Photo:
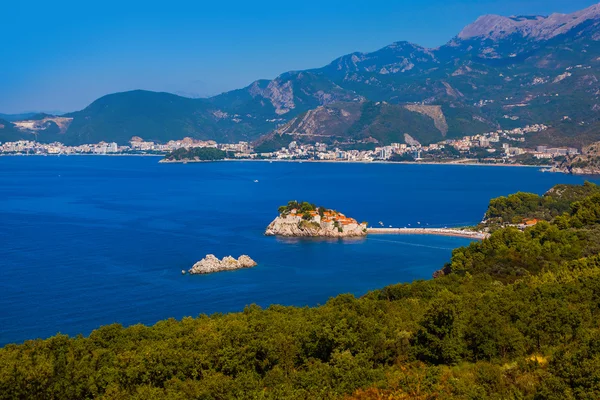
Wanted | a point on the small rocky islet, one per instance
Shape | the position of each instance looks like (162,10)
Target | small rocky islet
(307,220)
(211,263)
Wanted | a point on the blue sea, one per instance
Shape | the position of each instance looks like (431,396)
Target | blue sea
(87,241)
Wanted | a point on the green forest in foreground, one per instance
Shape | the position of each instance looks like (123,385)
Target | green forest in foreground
(515,316)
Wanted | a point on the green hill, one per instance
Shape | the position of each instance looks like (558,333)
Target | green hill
(8,132)
(153,116)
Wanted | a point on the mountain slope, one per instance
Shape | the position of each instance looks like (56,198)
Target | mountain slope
(366,122)
(154,116)
(499,72)
(289,94)
(8,132)
(544,70)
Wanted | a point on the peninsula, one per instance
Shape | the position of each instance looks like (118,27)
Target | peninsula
(307,220)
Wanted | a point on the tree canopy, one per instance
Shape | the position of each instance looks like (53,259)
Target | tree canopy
(196,154)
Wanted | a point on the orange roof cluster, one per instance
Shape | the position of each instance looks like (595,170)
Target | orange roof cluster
(531,222)
(330,216)
(346,221)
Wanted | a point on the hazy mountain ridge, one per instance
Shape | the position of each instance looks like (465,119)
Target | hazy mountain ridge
(16,117)
(498,72)
(535,27)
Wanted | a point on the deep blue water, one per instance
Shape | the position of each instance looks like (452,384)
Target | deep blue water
(88,241)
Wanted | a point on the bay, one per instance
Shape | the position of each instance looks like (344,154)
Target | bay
(89,241)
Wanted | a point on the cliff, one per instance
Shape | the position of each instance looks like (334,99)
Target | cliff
(305,220)
(210,264)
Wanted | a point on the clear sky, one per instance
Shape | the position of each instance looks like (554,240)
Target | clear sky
(61,55)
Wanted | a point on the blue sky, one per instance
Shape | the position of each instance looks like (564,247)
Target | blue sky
(62,55)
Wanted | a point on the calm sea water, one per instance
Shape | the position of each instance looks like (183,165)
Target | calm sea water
(88,241)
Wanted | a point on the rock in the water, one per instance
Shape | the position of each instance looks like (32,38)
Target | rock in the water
(246,262)
(210,264)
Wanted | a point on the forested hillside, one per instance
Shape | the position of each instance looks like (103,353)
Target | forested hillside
(515,316)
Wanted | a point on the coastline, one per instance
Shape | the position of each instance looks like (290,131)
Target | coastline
(165,161)
(82,155)
(469,164)
(543,168)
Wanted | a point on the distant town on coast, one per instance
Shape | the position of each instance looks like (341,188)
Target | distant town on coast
(501,146)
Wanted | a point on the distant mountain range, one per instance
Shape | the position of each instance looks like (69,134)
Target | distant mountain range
(499,72)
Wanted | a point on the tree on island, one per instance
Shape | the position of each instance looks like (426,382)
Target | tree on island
(301,208)
(196,153)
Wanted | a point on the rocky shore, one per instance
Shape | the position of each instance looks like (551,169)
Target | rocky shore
(586,163)
(305,220)
(210,264)
(566,168)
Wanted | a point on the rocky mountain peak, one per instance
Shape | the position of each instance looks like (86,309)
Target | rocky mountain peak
(537,27)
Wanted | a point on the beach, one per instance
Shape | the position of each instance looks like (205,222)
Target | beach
(429,231)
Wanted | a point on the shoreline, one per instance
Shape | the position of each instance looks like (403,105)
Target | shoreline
(470,164)
(81,154)
(467,164)
(429,231)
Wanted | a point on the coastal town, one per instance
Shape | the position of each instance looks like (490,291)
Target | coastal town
(501,146)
